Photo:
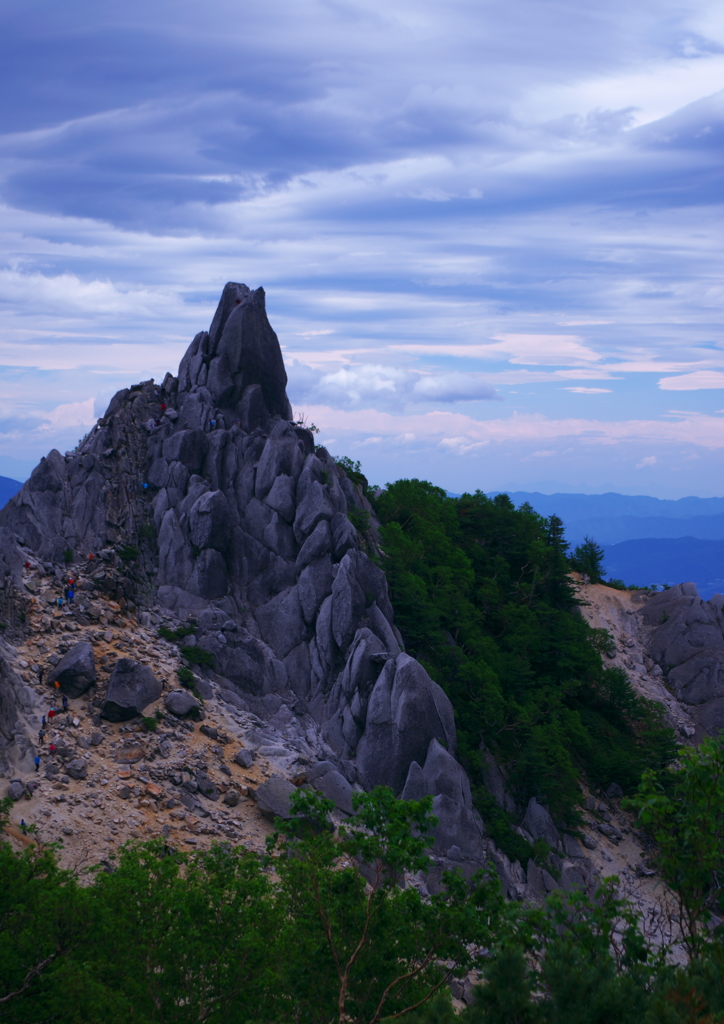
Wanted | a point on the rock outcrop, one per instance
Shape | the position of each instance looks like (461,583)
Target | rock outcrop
(686,641)
(203,499)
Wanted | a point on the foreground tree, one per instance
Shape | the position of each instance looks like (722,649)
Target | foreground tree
(362,947)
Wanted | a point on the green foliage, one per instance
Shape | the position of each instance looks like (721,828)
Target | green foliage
(319,932)
(587,559)
(198,656)
(68,556)
(147,531)
(302,421)
(129,553)
(150,724)
(364,952)
(683,809)
(186,677)
(483,598)
(359,518)
(175,634)
(353,470)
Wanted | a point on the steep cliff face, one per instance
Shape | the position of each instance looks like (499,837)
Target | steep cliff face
(227,513)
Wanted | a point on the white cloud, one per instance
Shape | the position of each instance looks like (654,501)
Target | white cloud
(648,460)
(589,391)
(697,381)
(74,414)
(383,386)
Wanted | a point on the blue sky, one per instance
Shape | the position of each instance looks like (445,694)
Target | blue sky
(490,233)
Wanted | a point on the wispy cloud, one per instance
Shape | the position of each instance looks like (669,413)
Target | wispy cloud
(443,202)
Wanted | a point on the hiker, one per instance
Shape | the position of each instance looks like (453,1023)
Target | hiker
(37,762)
(51,714)
(43,723)
(71,595)
(51,749)
(60,602)
(23,826)
(41,673)
(65,703)
(41,737)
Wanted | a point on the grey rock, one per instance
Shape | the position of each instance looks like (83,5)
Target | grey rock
(571,847)
(614,791)
(16,790)
(406,711)
(131,688)
(231,798)
(332,784)
(77,768)
(180,703)
(538,822)
(273,798)
(245,758)
(281,498)
(96,739)
(318,543)
(209,521)
(76,671)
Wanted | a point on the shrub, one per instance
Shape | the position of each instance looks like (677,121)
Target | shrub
(186,677)
(150,724)
(198,656)
(129,552)
(359,518)
(68,556)
(175,634)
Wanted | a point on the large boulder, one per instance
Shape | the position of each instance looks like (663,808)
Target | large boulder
(180,703)
(76,670)
(273,798)
(331,783)
(131,688)
(538,822)
(406,711)
(77,768)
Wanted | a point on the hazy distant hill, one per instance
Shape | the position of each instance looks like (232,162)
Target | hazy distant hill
(647,540)
(8,488)
(669,561)
(574,507)
(614,529)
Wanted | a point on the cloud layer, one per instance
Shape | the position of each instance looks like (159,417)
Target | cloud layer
(507,215)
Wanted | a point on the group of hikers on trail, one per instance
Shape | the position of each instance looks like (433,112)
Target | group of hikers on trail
(47,722)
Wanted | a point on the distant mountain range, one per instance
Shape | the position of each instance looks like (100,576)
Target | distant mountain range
(647,540)
(8,488)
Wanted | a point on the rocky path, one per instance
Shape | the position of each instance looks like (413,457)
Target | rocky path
(180,781)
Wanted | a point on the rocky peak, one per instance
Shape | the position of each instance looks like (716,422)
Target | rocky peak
(201,500)
(239,361)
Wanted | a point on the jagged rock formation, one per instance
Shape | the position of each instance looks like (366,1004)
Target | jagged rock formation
(671,645)
(686,642)
(224,510)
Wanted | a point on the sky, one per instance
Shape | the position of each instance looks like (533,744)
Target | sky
(489,231)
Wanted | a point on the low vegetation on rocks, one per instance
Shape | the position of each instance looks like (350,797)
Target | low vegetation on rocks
(484,599)
(330,926)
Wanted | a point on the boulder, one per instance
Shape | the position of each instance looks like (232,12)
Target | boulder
(77,768)
(538,822)
(16,789)
(406,711)
(231,798)
(244,758)
(131,688)
(273,798)
(331,783)
(76,670)
(180,703)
